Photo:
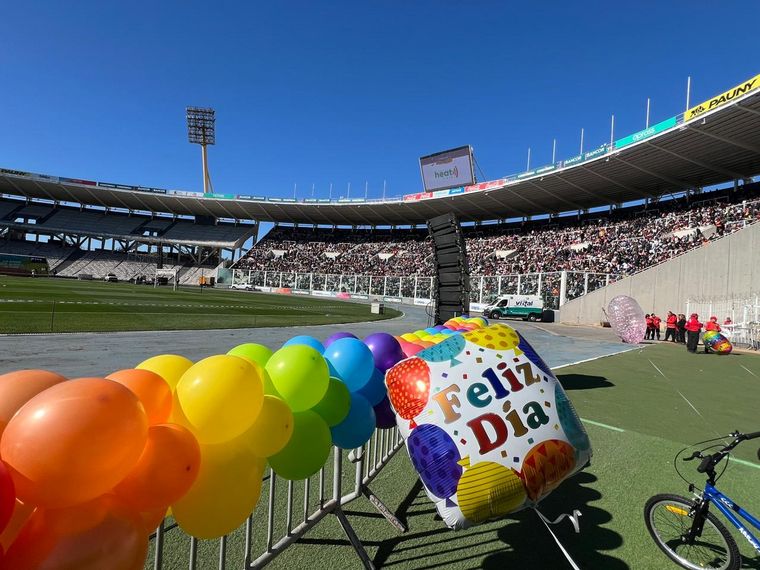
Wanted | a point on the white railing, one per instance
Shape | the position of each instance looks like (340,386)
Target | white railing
(555,287)
(283,518)
(744,313)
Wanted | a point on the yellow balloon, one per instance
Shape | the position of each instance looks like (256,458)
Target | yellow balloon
(224,494)
(272,429)
(219,398)
(170,367)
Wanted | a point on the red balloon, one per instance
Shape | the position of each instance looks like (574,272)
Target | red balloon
(95,535)
(409,387)
(21,514)
(7,496)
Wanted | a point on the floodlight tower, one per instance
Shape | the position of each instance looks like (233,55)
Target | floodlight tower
(200,130)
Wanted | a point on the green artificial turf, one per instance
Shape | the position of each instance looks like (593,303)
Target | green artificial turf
(637,420)
(63,305)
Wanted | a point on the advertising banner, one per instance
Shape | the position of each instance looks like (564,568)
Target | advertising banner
(14,172)
(602,150)
(722,99)
(447,169)
(646,133)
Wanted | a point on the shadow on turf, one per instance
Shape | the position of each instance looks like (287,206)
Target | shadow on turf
(520,543)
(583,382)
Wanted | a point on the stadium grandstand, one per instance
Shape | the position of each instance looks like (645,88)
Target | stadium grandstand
(559,231)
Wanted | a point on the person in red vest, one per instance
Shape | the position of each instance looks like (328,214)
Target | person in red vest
(712,325)
(693,326)
(728,321)
(656,326)
(670,323)
(650,333)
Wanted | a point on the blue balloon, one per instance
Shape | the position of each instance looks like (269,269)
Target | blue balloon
(308,341)
(357,428)
(375,390)
(352,362)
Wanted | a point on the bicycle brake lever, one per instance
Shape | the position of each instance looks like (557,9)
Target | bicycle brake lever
(698,455)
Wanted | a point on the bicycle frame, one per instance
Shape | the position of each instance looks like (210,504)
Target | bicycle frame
(728,508)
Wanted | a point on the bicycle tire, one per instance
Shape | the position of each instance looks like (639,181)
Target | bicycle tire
(733,559)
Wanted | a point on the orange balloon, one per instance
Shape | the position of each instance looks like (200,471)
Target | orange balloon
(16,388)
(151,519)
(21,514)
(166,470)
(74,442)
(98,534)
(151,389)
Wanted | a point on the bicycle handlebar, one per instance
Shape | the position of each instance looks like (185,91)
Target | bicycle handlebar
(710,461)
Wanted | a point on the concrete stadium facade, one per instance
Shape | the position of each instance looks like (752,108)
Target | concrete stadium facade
(722,269)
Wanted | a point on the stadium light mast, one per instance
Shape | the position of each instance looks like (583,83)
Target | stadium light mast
(201,130)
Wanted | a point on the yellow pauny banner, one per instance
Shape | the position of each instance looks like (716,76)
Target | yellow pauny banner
(722,99)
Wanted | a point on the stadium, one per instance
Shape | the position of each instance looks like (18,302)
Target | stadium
(99,276)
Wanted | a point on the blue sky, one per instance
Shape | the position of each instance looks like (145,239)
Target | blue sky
(319,92)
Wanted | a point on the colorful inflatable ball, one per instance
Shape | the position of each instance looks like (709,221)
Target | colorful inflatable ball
(306,341)
(386,350)
(337,336)
(627,319)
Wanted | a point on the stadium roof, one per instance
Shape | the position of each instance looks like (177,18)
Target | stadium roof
(713,142)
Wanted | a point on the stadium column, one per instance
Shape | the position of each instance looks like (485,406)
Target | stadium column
(563,289)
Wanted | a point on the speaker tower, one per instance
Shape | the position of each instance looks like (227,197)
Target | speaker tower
(452,288)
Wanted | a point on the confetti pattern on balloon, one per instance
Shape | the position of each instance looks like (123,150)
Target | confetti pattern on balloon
(545,466)
(435,457)
(627,319)
(569,420)
(488,490)
(496,337)
(717,342)
(409,387)
(533,356)
(445,351)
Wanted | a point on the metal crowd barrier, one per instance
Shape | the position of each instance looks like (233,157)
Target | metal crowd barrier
(287,520)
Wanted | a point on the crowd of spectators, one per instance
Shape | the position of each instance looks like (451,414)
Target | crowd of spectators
(620,242)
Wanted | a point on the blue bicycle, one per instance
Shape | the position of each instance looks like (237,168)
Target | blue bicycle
(685,529)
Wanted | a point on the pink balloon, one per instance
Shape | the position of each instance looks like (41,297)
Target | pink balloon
(627,319)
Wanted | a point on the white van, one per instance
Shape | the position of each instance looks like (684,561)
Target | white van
(528,307)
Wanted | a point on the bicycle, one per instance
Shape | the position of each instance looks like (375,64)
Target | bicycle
(685,529)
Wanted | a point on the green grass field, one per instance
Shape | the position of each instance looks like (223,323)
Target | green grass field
(635,408)
(63,305)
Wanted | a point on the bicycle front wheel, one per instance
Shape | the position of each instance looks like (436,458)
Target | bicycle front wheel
(669,518)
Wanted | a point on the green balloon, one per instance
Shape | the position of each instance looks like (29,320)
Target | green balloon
(258,353)
(300,375)
(335,405)
(307,450)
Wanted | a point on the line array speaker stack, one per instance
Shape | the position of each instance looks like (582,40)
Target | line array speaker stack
(452,288)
